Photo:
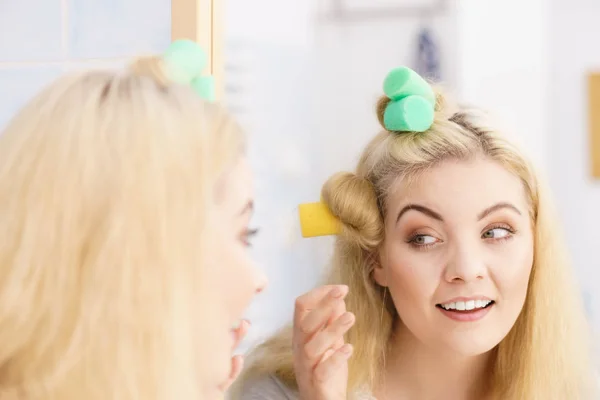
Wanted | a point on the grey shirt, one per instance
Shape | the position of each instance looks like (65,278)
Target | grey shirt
(267,388)
(271,388)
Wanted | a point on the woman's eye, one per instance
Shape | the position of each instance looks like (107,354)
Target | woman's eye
(423,240)
(496,233)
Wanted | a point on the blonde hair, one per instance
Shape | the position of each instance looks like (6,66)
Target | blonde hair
(107,180)
(545,355)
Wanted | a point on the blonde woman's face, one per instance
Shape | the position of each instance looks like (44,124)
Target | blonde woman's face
(235,279)
(458,254)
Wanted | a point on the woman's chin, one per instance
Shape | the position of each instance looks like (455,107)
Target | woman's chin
(472,348)
(213,394)
(215,381)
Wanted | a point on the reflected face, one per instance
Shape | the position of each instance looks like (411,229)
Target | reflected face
(235,279)
(458,255)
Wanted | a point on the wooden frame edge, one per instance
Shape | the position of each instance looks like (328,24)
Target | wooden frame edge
(202,22)
(593,97)
(218,46)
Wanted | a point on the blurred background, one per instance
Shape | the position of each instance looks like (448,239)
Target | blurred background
(303,78)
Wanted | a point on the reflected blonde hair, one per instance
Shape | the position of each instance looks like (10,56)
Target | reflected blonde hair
(106,186)
(545,355)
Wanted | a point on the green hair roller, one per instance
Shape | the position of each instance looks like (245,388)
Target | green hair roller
(185,60)
(412,105)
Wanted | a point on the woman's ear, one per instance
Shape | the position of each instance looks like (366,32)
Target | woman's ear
(379,272)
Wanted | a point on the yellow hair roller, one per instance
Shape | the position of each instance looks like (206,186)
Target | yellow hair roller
(317,220)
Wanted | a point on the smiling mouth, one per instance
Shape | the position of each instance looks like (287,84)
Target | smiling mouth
(466,307)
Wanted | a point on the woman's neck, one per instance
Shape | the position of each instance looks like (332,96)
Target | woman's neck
(415,371)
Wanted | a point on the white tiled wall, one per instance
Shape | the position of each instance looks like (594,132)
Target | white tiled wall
(40,39)
(268,89)
(18,84)
(305,87)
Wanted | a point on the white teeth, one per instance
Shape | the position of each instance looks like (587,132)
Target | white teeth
(466,305)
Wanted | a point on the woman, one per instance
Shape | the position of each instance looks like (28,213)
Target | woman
(125,202)
(449,277)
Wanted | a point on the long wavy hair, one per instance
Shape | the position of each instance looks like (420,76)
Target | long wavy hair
(545,355)
(106,184)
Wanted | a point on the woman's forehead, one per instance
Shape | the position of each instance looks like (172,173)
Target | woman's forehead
(455,185)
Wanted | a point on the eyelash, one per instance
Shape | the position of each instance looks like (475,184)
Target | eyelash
(247,235)
(507,228)
(412,242)
(510,235)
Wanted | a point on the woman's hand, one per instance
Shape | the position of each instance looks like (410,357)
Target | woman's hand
(237,362)
(320,352)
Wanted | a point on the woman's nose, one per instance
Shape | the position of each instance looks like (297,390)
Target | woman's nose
(466,264)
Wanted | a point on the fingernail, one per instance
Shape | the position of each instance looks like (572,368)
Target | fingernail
(328,354)
(347,349)
(346,318)
(338,291)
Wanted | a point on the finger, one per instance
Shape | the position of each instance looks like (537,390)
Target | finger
(325,369)
(339,310)
(325,313)
(327,338)
(310,300)
(240,332)
(327,354)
